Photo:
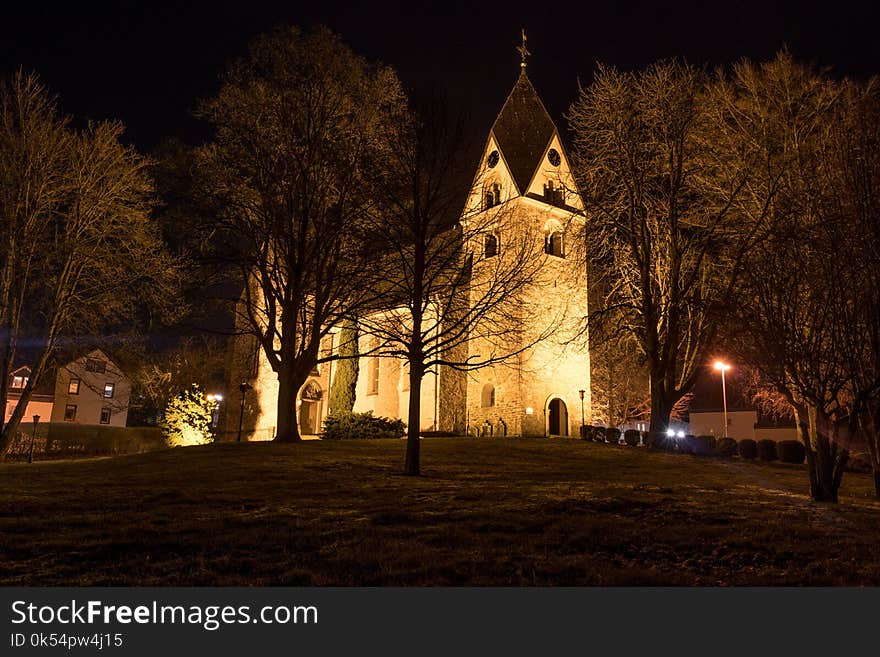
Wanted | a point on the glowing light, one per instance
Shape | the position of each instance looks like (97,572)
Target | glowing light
(670,433)
(721,366)
(215,397)
(680,434)
(530,410)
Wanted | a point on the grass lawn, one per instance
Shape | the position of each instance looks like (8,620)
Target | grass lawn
(499,512)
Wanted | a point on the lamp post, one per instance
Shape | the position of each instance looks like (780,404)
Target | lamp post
(33,439)
(243,387)
(583,423)
(723,367)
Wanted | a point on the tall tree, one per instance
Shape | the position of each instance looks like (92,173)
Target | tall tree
(342,394)
(445,287)
(800,283)
(80,246)
(298,122)
(661,230)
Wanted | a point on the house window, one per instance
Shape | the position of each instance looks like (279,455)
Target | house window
(487,399)
(73,387)
(19,381)
(105,415)
(490,246)
(108,390)
(70,413)
(95,365)
(553,244)
(373,371)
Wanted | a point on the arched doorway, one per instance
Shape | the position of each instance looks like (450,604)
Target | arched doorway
(310,409)
(557,417)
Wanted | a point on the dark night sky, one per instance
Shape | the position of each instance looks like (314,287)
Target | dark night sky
(146,63)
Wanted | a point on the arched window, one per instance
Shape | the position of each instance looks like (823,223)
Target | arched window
(490,246)
(491,195)
(487,399)
(553,244)
(312,392)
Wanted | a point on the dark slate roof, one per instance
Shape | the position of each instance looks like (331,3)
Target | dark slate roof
(523,129)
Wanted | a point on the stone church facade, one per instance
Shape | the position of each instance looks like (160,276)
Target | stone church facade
(542,390)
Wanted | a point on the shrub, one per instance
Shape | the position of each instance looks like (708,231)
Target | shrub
(631,437)
(688,445)
(748,448)
(708,442)
(791,451)
(586,431)
(598,434)
(355,426)
(726,447)
(612,435)
(187,419)
(767,450)
(656,439)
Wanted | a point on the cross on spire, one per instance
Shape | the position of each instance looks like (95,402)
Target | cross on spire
(522,50)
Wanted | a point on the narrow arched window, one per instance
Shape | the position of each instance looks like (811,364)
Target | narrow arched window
(492,195)
(490,246)
(487,399)
(553,244)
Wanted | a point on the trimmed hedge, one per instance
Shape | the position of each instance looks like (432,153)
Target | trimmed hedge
(748,448)
(597,434)
(356,426)
(708,442)
(726,447)
(585,431)
(656,440)
(612,435)
(767,450)
(791,451)
(631,437)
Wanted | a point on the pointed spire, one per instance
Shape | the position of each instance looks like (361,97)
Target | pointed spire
(522,50)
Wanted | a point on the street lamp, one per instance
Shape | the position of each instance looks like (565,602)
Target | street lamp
(581,393)
(723,367)
(33,438)
(243,387)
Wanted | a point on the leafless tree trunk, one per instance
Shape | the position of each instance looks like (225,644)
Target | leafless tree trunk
(77,230)
(663,236)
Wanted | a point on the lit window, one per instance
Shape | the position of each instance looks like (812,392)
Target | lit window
(490,246)
(105,415)
(19,381)
(70,413)
(108,390)
(73,387)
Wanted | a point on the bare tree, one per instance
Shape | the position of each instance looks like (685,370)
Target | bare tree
(80,245)
(662,235)
(299,121)
(799,293)
(452,280)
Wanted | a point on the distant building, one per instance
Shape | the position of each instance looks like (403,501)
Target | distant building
(706,412)
(40,402)
(91,389)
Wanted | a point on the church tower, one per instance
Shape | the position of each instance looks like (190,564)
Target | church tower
(544,389)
